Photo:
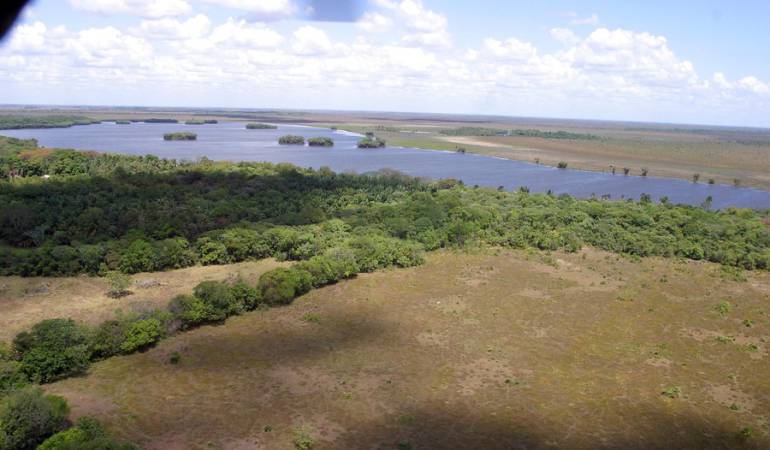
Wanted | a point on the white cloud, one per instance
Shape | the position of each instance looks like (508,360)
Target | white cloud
(194,27)
(424,26)
(153,9)
(616,70)
(510,49)
(243,34)
(593,19)
(374,22)
(311,41)
(755,85)
(565,36)
(259,9)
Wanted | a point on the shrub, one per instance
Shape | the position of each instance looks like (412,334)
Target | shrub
(11,377)
(27,417)
(141,334)
(371,142)
(246,295)
(260,126)
(87,434)
(562,165)
(320,142)
(108,338)
(118,284)
(191,311)
(281,286)
(180,136)
(138,257)
(218,298)
(291,139)
(53,349)
(212,252)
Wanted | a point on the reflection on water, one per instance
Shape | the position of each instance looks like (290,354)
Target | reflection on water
(232,141)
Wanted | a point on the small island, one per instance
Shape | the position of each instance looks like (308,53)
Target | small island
(371,142)
(194,122)
(210,121)
(320,142)
(180,136)
(122,122)
(260,126)
(291,139)
(160,121)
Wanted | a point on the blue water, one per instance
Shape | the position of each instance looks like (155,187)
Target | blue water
(232,141)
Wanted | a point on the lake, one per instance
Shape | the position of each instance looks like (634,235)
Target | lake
(232,141)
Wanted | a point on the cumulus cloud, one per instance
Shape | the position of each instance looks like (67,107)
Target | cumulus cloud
(424,27)
(565,36)
(374,22)
(576,19)
(259,9)
(311,41)
(619,67)
(194,27)
(145,8)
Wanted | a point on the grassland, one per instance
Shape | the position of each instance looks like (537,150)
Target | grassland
(482,350)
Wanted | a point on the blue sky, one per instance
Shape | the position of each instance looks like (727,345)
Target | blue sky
(675,61)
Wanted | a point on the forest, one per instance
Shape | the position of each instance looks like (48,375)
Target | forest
(17,121)
(101,213)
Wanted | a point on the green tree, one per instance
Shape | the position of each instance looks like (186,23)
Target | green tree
(27,417)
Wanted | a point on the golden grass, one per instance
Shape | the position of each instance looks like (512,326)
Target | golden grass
(24,301)
(507,350)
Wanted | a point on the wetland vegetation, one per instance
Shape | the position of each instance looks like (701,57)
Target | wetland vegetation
(180,136)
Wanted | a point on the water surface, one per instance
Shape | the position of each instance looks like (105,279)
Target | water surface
(232,141)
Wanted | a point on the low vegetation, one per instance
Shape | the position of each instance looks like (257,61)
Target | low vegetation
(291,139)
(17,121)
(160,120)
(122,122)
(371,142)
(180,136)
(480,131)
(260,126)
(320,142)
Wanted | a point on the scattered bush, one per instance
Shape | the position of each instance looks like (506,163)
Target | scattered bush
(320,142)
(218,299)
(53,349)
(291,139)
(141,334)
(118,284)
(87,434)
(281,286)
(562,165)
(180,136)
(27,417)
(371,142)
(260,126)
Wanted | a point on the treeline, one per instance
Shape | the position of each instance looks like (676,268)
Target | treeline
(19,121)
(26,161)
(210,213)
(11,146)
(480,131)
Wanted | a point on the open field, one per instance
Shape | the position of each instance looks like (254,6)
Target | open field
(24,301)
(677,151)
(510,350)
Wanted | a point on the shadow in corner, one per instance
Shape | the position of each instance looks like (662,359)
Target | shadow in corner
(440,427)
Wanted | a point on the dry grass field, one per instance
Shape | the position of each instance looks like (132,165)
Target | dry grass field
(24,301)
(473,350)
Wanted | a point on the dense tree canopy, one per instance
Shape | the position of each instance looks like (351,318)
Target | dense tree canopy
(163,215)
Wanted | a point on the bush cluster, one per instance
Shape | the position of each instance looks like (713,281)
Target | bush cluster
(291,139)
(320,142)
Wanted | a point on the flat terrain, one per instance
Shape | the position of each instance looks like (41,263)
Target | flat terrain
(724,154)
(508,350)
(24,301)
